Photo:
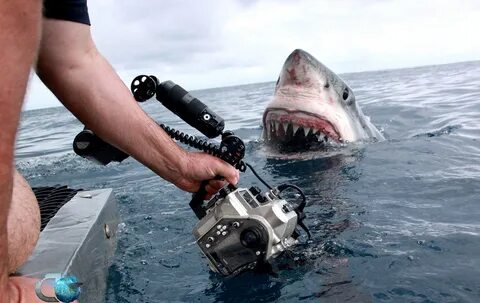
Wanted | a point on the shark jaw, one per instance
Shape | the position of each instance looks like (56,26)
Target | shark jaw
(298,130)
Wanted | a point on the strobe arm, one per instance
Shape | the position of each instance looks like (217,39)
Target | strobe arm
(180,102)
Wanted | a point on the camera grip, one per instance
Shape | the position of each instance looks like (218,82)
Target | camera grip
(196,204)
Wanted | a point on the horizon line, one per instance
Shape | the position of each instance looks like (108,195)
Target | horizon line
(344,73)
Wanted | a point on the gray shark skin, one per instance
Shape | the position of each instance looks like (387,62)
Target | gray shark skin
(313,107)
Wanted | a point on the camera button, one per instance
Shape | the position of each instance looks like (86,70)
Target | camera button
(286,208)
(211,239)
(255,190)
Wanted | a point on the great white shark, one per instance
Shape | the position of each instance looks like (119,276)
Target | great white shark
(313,107)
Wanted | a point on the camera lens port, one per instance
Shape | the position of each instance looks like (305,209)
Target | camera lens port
(251,238)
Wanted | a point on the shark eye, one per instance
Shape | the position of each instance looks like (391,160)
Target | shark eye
(327,85)
(345,94)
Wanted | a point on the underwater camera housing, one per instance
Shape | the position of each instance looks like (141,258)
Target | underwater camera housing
(239,229)
(243,228)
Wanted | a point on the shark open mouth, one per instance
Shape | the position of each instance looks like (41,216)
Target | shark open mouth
(298,128)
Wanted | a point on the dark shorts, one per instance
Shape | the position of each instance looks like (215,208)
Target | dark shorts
(69,10)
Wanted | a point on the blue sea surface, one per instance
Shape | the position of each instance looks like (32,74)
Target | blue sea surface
(391,221)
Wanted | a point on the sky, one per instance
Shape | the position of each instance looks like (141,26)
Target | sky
(214,43)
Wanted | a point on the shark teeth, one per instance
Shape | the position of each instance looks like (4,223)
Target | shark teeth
(289,130)
(306,130)
(277,126)
(295,128)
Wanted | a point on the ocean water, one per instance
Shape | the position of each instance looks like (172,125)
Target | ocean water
(391,221)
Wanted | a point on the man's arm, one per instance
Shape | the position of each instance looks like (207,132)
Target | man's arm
(71,66)
(19,33)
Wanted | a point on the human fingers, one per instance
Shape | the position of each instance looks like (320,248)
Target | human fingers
(228,172)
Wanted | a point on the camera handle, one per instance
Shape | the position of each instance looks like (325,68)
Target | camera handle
(198,198)
(196,204)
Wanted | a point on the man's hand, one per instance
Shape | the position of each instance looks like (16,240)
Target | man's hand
(200,167)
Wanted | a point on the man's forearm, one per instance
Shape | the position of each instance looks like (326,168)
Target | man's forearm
(99,98)
(19,32)
(89,87)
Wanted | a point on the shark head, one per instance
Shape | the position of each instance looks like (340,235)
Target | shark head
(312,106)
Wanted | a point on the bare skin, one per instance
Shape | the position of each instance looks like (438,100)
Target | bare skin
(23,223)
(19,36)
(71,66)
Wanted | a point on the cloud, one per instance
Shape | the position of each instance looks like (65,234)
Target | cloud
(148,33)
(209,43)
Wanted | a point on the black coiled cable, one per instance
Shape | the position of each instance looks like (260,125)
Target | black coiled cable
(192,141)
(200,144)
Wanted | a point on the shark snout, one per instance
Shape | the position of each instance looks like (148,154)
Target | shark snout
(298,70)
